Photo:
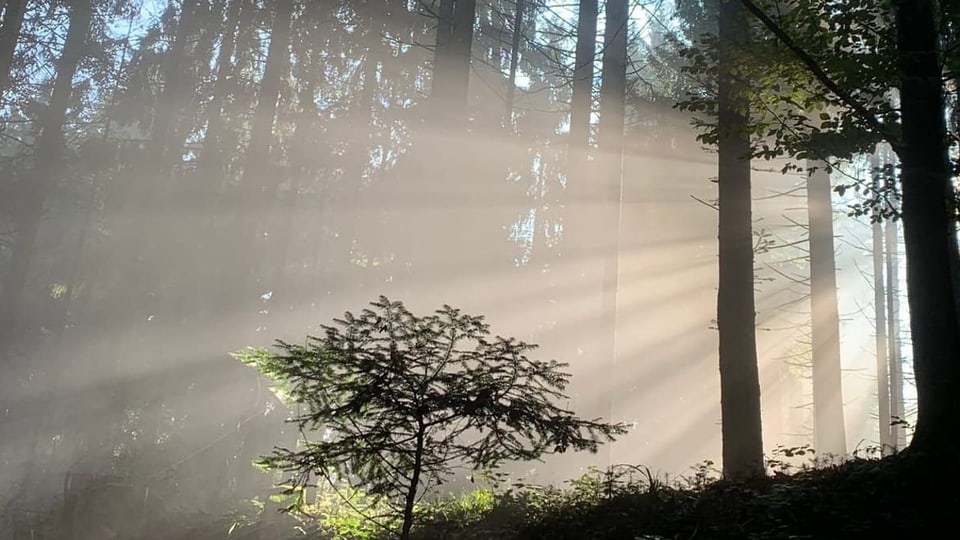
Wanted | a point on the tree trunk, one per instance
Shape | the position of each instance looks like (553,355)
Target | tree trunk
(829,429)
(580,198)
(36,185)
(451,72)
(210,159)
(880,316)
(441,51)
(277,66)
(578,190)
(897,435)
(411,497)
(514,61)
(461,48)
(742,436)
(613,87)
(582,100)
(162,136)
(9,36)
(929,232)
(257,184)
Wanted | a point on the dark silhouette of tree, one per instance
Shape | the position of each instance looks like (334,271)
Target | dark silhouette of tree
(736,316)
(582,101)
(927,192)
(929,231)
(515,42)
(401,401)
(211,152)
(35,186)
(452,53)
(10,26)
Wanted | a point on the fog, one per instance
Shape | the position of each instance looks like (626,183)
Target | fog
(153,263)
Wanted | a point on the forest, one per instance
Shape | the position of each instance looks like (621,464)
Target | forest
(371,269)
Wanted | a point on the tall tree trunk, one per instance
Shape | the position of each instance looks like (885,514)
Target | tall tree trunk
(514,62)
(578,191)
(32,191)
(580,198)
(10,28)
(742,435)
(880,316)
(829,428)
(163,132)
(613,86)
(256,183)
(451,72)
(202,189)
(897,435)
(146,242)
(445,137)
(929,232)
(441,50)
(210,159)
(581,103)
(261,137)
(36,185)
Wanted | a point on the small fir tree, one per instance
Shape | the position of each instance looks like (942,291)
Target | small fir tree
(399,402)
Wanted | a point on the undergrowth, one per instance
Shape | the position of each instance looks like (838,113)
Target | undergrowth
(803,497)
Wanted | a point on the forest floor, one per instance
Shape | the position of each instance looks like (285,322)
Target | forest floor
(904,496)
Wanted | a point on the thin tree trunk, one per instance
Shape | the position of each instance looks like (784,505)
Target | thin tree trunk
(411,497)
(582,101)
(742,436)
(829,427)
(461,48)
(929,232)
(580,197)
(514,61)
(9,36)
(257,183)
(210,159)
(162,137)
(612,110)
(880,315)
(35,187)
(441,52)
(578,192)
(278,60)
(897,435)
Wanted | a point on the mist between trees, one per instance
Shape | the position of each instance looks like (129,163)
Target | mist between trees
(734,222)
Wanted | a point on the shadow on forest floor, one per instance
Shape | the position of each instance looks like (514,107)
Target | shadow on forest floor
(901,496)
(904,496)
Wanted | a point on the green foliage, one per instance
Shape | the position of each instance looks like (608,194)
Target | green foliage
(859,498)
(792,113)
(396,403)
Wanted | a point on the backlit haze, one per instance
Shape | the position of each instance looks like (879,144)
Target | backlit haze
(145,278)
